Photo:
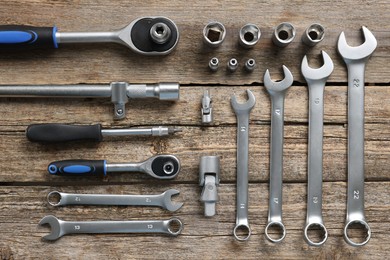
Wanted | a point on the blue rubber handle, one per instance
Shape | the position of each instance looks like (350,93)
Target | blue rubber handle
(77,167)
(19,37)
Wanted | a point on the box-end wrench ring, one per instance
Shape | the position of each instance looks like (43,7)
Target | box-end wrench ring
(277,91)
(242,230)
(60,228)
(163,200)
(316,80)
(356,58)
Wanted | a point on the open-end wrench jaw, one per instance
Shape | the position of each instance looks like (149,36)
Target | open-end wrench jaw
(280,86)
(54,223)
(361,52)
(243,107)
(169,205)
(321,73)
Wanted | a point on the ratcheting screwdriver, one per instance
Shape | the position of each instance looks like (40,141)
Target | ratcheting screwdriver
(52,133)
(146,35)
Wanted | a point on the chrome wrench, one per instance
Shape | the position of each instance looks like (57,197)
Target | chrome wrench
(162,200)
(242,230)
(277,91)
(145,35)
(316,80)
(356,58)
(60,228)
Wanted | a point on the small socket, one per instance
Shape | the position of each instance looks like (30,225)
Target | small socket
(232,65)
(284,34)
(250,65)
(313,34)
(214,64)
(160,33)
(214,34)
(249,35)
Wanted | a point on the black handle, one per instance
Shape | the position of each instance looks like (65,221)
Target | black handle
(21,37)
(52,133)
(77,167)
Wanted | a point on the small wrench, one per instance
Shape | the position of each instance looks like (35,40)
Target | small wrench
(356,58)
(60,228)
(316,80)
(277,91)
(162,200)
(163,166)
(242,112)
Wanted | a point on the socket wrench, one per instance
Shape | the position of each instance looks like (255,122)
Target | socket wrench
(59,228)
(163,166)
(119,92)
(145,35)
(277,91)
(242,230)
(356,58)
(163,200)
(316,80)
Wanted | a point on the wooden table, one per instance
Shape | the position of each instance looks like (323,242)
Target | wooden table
(24,182)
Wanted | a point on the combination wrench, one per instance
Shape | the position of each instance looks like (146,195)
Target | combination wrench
(163,166)
(163,200)
(242,230)
(145,35)
(356,58)
(316,80)
(60,228)
(277,91)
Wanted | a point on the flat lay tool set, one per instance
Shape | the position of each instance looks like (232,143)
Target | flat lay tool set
(160,36)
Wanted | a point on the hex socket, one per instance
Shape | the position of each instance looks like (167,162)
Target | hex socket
(214,34)
(249,35)
(313,34)
(214,64)
(283,34)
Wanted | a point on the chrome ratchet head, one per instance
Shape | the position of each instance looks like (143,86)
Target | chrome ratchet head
(243,107)
(162,166)
(361,52)
(168,204)
(321,73)
(55,227)
(280,86)
(150,35)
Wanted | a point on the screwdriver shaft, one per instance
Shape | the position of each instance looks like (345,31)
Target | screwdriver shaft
(153,131)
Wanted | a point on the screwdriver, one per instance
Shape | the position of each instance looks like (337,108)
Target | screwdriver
(53,133)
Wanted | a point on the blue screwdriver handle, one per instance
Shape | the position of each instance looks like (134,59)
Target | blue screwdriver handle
(77,167)
(22,37)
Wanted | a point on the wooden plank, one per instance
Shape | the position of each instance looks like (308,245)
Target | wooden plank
(211,238)
(27,162)
(188,64)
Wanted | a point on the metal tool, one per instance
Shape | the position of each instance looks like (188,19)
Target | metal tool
(145,35)
(206,110)
(209,179)
(316,80)
(214,34)
(119,92)
(356,58)
(277,91)
(163,200)
(52,133)
(214,64)
(283,34)
(59,228)
(162,166)
(242,230)
(232,65)
(249,35)
(313,34)
(250,65)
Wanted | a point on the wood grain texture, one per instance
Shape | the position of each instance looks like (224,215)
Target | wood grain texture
(24,182)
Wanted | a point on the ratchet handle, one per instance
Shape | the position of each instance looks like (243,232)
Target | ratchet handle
(22,37)
(52,133)
(77,167)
